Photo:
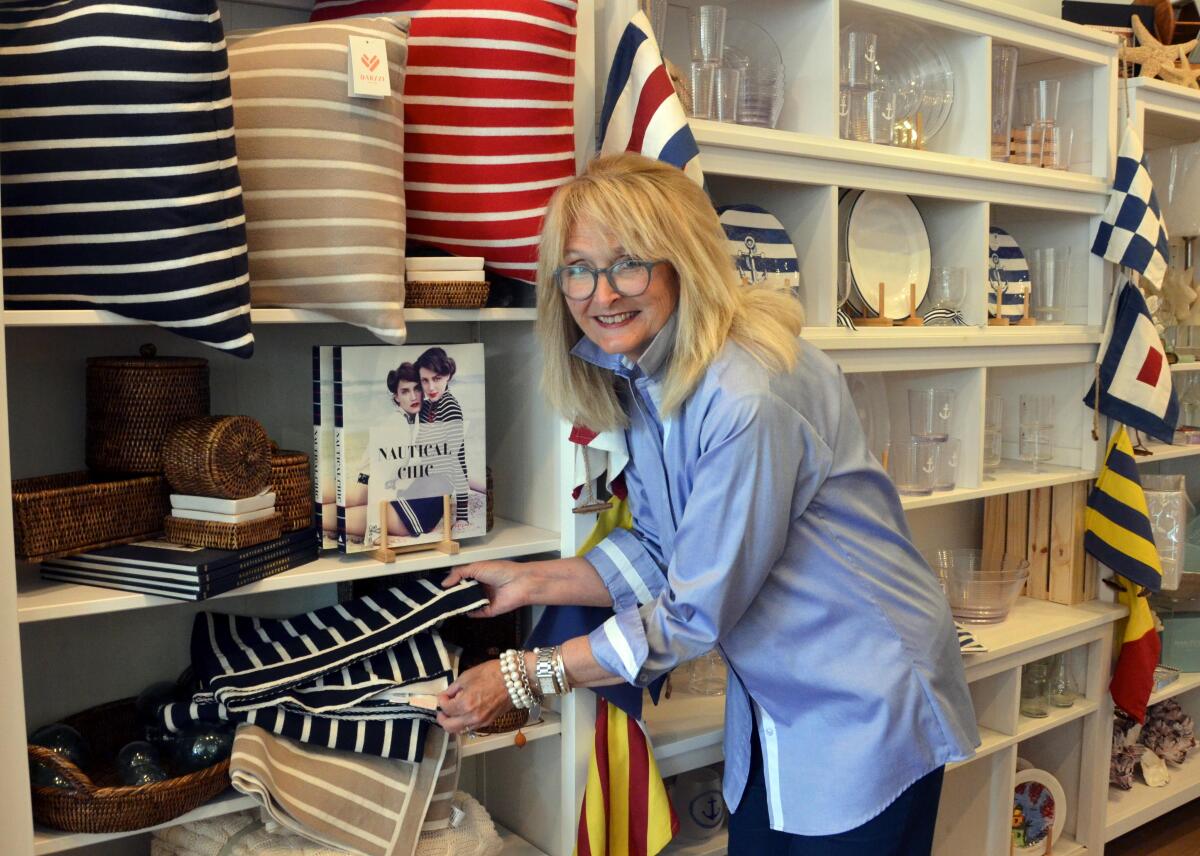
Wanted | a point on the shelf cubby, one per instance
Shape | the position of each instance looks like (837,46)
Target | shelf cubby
(1073,446)
(968,819)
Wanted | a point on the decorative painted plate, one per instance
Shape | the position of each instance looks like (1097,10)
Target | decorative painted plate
(886,242)
(1043,805)
(1007,262)
(760,246)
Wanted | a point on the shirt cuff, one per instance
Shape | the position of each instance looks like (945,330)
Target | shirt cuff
(627,569)
(619,645)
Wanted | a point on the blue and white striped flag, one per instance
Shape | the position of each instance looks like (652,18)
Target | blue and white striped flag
(641,111)
(1132,233)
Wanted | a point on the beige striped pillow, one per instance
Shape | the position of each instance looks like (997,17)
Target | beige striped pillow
(322,172)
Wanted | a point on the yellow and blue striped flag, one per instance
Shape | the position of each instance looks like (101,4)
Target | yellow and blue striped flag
(1117,522)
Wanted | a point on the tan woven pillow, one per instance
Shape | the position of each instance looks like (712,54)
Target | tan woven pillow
(322,173)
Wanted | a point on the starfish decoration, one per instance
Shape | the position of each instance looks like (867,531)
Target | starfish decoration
(1184,73)
(1155,58)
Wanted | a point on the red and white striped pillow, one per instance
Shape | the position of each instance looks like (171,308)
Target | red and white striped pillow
(489,120)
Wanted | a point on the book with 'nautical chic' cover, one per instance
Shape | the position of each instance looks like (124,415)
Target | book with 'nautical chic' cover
(408,432)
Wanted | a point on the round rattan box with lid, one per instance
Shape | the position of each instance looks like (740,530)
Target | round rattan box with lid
(220,456)
(132,402)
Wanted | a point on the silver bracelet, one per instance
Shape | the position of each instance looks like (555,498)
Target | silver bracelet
(560,671)
(531,692)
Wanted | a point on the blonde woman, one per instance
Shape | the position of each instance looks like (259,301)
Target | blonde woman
(762,526)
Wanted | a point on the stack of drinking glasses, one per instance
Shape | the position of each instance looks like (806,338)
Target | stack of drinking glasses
(736,72)
(928,460)
(1036,430)
(993,418)
(867,106)
(1039,140)
(1050,277)
(1004,88)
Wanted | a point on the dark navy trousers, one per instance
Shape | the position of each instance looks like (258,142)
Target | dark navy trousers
(904,828)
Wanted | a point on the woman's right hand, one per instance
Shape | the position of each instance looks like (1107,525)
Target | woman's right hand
(503,581)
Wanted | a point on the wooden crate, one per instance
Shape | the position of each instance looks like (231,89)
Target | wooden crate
(1045,526)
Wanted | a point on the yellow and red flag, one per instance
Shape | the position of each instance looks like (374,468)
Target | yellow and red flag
(625,810)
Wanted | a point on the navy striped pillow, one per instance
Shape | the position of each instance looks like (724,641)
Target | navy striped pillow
(120,183)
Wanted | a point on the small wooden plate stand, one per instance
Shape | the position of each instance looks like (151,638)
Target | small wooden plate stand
(913,319)
(447,545)
(878,320)
(1026,321)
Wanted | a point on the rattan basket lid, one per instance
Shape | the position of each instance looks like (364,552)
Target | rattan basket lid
(148,360)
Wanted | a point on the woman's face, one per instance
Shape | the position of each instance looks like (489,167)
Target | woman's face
(433,384)
(408,396)
(618,324)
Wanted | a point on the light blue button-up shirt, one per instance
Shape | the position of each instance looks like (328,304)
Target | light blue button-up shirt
(763,524)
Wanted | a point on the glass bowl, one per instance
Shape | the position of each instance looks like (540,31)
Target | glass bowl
(979,592)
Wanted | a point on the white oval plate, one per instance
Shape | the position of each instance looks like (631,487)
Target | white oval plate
(886,242)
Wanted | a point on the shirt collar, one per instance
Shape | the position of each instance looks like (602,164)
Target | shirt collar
(652,361)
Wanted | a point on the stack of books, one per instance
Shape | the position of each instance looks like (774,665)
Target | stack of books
(444,269)
(188,507)
(183,573)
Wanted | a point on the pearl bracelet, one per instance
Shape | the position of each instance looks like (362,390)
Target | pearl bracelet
(516,681)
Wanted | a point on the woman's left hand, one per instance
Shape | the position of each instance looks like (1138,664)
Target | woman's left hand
(474,700)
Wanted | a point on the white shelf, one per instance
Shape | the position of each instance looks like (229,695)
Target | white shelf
(1029,726)
(51,841)
(1031,623)
(100,318)
(1165,452)
(1012,476)
(550,725)
(1186,367)
(1186,682)
(718,845)
(1130,809)
(1172,113)
(41,600)
(1068,846)
(686,731)
(515,845)
(768,154)
(874,338)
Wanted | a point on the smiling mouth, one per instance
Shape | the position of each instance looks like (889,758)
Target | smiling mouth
(617,320)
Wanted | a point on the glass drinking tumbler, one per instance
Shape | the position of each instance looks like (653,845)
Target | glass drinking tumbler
(945,474)
(707,25)
(1004,80)
(929,412)
(1050,273)
(913,465)
(1035,680)
(727,84)
(708,675)
(702,75)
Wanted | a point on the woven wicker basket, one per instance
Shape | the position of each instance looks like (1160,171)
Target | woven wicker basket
(131,404)
(222,536)
(291,480)
(510,721)
(445,295)
(97,802)
(71,512)
(222,456)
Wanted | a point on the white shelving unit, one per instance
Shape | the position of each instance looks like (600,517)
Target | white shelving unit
(63,648)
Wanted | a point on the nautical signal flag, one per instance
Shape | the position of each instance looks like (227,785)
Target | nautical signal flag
(1118,534)
(626,811)
(1133,375)
(1133,678)
(641,111)
(1131,231)
(1117,521)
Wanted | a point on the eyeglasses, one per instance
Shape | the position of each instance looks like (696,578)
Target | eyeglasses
(628,278)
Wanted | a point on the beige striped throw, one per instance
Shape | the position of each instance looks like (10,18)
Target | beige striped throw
(370,805)
(322,172)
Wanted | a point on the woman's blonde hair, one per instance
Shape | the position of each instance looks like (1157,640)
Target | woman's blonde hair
(654,211)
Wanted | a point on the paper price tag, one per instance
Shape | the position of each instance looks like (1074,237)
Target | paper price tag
(368,68)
